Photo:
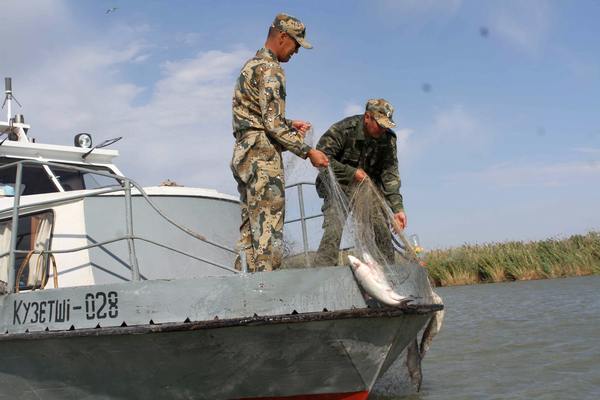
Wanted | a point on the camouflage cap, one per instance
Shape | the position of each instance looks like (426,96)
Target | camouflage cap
(382,111)
(293,27)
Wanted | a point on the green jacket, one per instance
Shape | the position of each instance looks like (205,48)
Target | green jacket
(348,148)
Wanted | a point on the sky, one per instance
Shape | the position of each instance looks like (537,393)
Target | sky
(497,102)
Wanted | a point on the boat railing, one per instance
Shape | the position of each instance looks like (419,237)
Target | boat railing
(126,185)
(303,218)
(399,241)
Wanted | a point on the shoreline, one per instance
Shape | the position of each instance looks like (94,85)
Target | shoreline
(577,255)
(517,280)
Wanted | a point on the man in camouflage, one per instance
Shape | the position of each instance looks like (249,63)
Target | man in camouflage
(261,133)
(357,147)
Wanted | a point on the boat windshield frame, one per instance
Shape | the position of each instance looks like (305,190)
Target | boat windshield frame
(62,177)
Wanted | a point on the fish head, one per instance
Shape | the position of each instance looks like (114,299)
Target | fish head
(354,262)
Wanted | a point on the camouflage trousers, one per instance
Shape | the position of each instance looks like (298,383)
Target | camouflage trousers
(258,170)
(328,252)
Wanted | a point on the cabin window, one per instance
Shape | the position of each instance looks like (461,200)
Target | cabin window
(35,179)
(34,233)
(77,180)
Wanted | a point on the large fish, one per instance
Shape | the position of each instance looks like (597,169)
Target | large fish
(416,353)
(372,279)
(375,267)
(434,326)
(413,364)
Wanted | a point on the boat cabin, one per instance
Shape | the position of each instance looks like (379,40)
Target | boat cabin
(80,221)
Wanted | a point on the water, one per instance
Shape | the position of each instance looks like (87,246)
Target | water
(518,340)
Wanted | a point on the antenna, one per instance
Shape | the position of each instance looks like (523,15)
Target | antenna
(8,97)
(14,126)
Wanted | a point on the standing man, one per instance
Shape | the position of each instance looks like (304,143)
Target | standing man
(357,147)
(261,133)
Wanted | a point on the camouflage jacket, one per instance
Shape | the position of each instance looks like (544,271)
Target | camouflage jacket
(259,104)
(348,148)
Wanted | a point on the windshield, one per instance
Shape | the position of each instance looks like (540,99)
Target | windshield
(35,179)
(78,180)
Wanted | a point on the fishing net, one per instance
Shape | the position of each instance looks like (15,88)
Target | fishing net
(299,178)
(359,222)
(294,166)
(361,214)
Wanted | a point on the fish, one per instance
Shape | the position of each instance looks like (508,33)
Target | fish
(375,267)
(415,352)
(433,327)
(379,275)
(373,281)
(413,364)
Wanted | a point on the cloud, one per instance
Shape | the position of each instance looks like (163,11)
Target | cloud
(451,136)
(533,174)
(189,38)
(78,88)
(353,109)
(20,48)
(578,63)
(413,17)
(452,127)
(455,123)
(587,150)
(403,135)
(522,24)
(182,131)
(185,128)
(420,9)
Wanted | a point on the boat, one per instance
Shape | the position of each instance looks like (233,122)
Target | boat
(110,290)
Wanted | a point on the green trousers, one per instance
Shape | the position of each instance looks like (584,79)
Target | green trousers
(328,252)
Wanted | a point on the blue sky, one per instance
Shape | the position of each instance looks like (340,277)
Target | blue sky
(496,102)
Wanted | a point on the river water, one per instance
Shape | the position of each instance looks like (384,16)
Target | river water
(517,340)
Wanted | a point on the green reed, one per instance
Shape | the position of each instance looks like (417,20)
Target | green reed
(497,262)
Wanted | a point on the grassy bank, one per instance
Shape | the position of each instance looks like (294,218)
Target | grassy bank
(578,255)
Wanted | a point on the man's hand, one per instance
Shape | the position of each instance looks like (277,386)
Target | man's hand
(317,158)
(399,221)
(301,126)
(360,175)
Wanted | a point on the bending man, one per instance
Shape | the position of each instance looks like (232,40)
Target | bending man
(357,147)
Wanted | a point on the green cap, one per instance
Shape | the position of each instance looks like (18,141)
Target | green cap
(293,27)
(382,111)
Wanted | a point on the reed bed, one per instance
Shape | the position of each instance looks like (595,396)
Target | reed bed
(497,262)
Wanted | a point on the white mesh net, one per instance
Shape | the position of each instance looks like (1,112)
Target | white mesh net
(386,267)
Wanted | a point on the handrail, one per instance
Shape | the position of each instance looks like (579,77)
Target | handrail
(299,184)
(398,239)
(125,237)
(67,166)
(13,232)
(135,269)
(130,237)
(66,199)
(303,218)
(122,178)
